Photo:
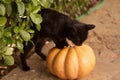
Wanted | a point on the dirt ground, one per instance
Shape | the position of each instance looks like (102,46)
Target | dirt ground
(104,39)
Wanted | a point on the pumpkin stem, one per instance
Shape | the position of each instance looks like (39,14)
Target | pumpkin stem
(70,43)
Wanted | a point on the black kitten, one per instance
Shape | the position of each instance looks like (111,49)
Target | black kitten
(56,27)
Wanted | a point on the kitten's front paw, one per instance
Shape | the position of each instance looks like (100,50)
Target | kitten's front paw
(26,68)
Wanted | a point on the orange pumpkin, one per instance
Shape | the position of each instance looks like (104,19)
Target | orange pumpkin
(71,62)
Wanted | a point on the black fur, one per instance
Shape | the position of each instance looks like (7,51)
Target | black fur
(56,27)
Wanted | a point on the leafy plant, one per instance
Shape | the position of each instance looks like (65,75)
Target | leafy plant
(73,8)
(17,16)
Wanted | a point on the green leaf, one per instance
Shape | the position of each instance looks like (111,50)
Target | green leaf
(9,60)
(8,40)
(45,3)
(36,18)
(8,34)
(38,27)
(1,34)
(3,21)
(25,35)
(9,9)
(0,57)
(2,46)
(29,7)
(7,1)
(16,29)
(2,10)
(9,51)
(21,8)
(19,44)
(51,1)
(36,9)
(35,2)
(31,31)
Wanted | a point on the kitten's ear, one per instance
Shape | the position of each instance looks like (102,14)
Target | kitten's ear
(90,26)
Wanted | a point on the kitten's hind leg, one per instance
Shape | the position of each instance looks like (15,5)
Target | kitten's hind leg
(23,56)
(38,48)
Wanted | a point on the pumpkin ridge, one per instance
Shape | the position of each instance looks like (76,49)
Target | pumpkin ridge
(89,55)
(65,62)
(81,56)
(85,53)
(78,61)
(54,61)
(71,64)
(78,53)
(60,61)
(50,59)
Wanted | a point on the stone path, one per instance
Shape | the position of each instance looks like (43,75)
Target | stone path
(104,39)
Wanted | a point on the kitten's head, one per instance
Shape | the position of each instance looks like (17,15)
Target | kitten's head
(78,32)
